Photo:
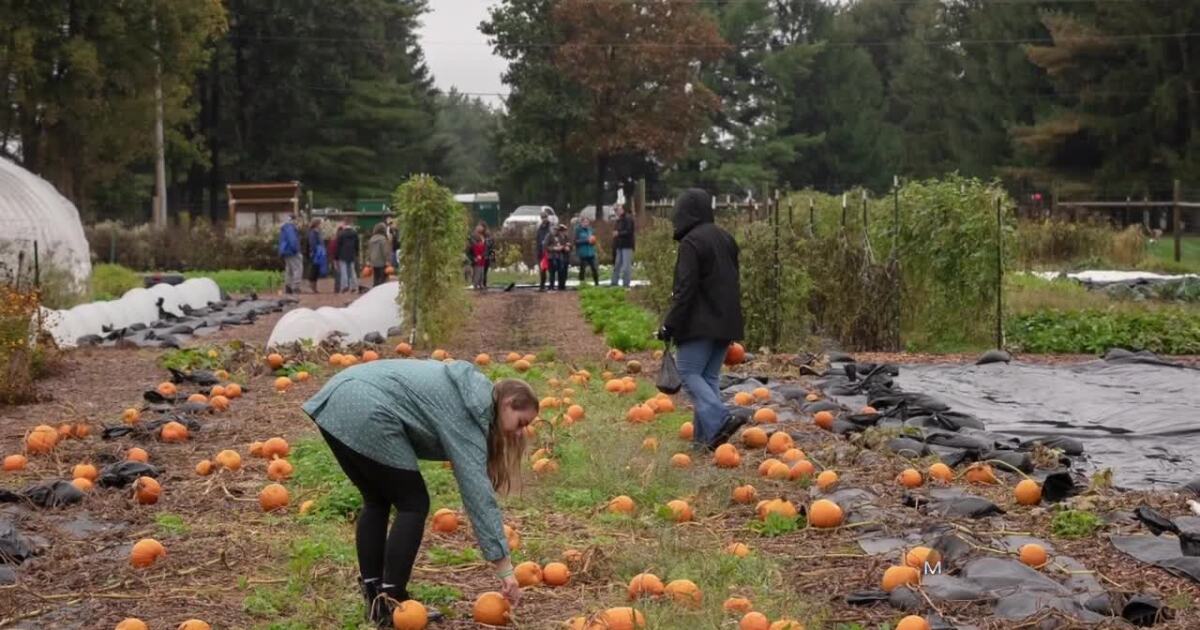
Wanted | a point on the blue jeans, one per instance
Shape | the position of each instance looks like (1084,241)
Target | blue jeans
(348,278)
(699,363)
(622,267)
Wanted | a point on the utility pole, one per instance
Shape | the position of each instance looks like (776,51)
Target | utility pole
(160,156)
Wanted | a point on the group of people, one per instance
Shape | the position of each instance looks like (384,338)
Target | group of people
(554,243)
(342,249)
(380,418)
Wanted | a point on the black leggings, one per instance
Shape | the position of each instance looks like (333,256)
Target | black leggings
(385,555)
(584,263)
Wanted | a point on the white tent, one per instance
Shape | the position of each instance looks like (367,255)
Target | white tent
(374,312)
(31,210)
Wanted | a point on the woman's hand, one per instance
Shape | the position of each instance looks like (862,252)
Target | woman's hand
(511,590)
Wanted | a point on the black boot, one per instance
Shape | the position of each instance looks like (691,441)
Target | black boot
(731,425)
(373,594)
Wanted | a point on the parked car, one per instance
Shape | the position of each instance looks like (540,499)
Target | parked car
(528,217)
(589,213)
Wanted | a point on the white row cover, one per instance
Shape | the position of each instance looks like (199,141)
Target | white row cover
(31,210)
(137,306)
(375,311)
(1097,276)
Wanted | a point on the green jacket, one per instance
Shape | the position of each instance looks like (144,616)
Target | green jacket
(397,412)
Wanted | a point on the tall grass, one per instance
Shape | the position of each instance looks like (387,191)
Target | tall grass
(1059,243)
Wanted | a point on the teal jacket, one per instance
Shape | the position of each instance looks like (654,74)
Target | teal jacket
(398,412)
(583,248)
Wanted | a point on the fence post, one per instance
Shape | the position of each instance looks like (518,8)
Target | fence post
(812,217)
(776,280)
(37,269)
(843,211)
(999,274)
(1176,221)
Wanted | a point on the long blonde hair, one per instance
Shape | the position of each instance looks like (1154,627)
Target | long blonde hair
(506,450)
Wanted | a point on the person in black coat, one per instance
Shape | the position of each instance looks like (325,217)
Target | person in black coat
(347,254)
(705,314)
(543,232)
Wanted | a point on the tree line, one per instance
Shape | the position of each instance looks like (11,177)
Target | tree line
(1095,96)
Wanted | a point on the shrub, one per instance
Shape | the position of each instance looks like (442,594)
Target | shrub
(110,282)
(18,330)
(656,252)
(432,299)
(196,245)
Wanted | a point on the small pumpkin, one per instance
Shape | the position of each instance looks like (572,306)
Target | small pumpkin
(219,403)
(147,490)
(681,460)
(726,456)
(41,440)
(410,615)
(739,605)
(199,399)
(754,621)
(369,356)
(82,484)
(229,459)
(801,469)
(233,390)
(622,505)
(15,462)
(981,473)
(492,609)
(1033,555)
(205,468)
(279,469)
(282,384)
(827,480)
(823,419)
(146,552)
(275,447)
(555,574)
(404,349)
(173,432)
(131,623)
(445,521)
(275,360)
(167,389)
(824,514)
(684,592)
(897,576)
(1028,492)
(650,444)
(913,622)
(439,355)
(645,585)
(131,416)
(681,512)
(779,442)
(686,431)
(194,624)
(910,478)
(743,399)
(85,471)
(528,574)
(737,549)
(735,355)
(273,497)
(136,454)
(766,415)
(745,494)
(941,472)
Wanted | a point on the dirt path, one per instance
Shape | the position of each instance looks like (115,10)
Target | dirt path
(527,321)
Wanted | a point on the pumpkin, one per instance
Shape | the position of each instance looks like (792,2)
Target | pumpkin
(766,416)
(826,480)
(556,574)
(199,399)
(217,390)
(522,365)
(1033,555)
(131,416)
(621,505)
(744,494)
(619,618)
(445,521)
(275,360)
(409,615)
(273,497)
(229,459)
(981,473)
(545,466)
(173,432)
(640,414)
(614,386)
(726,456)
(222,375)
(737,605)
(792,455)
(787,624)
(823,419)
(64,431)
(13,463)
(255,449)
(735,355)
(779,442)
(910,478)
(1028,492)
(404,349)
(754,621)
(81,430)
(777,506)
(194,624)
(439,355)
(233,390)
(282,384)
(204,468)
(666,405)
(512,537)
(279,469)
(136,454)
(572,556)
(812,397)
(41,440)
(541,453)
(219,403)
(824,513)
(684,592)
(897,576)
(82,484)
(302,376)
(628,386)
(132,623)
(737,549)
(686,431)
(941,472)
(743,399)
(761,394)
(86,471)
(802,469)
(528,574)
(868,411)
(167,389)
(754,437)
(575,412)
(275,447)
(778,471)
(307,506)
(766,465)
(615,355)
(645,585)
(913,622)
(918,557)
(369,356)
(681,460)
(146,552)
(650,444)
(633,367)
(681,512)
(147,490)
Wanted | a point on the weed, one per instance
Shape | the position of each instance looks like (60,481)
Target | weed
(777,525)
(434,594)
(1074,524)
(171,523)
(447,557)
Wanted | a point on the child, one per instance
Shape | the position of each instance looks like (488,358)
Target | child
(558,248)
(478,260)
(380,418)
(585,248)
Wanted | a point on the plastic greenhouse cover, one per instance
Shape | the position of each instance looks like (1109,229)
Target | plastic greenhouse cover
(373,312)
(31,210)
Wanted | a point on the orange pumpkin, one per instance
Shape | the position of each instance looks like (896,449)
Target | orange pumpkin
(735,355)
(826,480)
(229,459)
(545,466)
(302,376)
(681,512)
(199,399)
(483,359)
(80,430)
(801,469)
(439,355)
(522,365)
(275,447)
(82,484)
(766,465)
(761,394)
(897,576)
(737,549)
(645,585)
(204,468)
(1028,492)
(640,414)
(131,416)
(686,431)
(528,574)
(777,506)
(778,471)
(233,390)
(219,403)
(622,505)
(619,618)
(824,514)
(1033,555)
(681,460)
(918,557)
(16,462)
(194,624)
(369,356)
(739,605)
(766,416)
(131,623)
(684,592)
(445,521)
(650,444)
(275,360)
(273,497)
(404,349)
(941,472)
(754,437)
(743,399)
(556,574)
(279,469)
(41,440)
(726,456)
(282,384)
(217,390)
(173,432)
(409,615)
(492,609)
(913,622)
(823,419)
(744,494)
(910,478)
(86,471)
(146,552)
(167,389)
(981,473)
(754,621)
(575,412)
(779,443)
(146,490)
(136,454)
(256,449)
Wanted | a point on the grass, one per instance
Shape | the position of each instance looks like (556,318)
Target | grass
(1075,524)
(241,280)
(110,282)
(1161,254)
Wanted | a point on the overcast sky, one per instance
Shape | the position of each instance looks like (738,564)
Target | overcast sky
(457,53)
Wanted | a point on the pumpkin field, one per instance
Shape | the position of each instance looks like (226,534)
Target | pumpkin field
(201,496)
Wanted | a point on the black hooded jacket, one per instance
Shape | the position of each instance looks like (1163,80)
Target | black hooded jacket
(706,302)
